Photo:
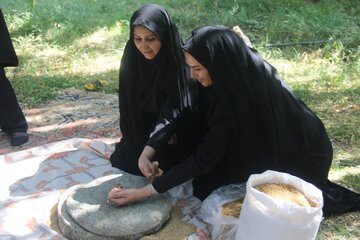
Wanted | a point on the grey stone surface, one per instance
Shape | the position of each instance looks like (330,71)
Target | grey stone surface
(69,228)
(87,206)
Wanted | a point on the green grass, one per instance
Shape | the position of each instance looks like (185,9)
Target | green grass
(66,43)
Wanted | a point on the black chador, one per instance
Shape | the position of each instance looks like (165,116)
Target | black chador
(250,121)
(149,90)
(12,120)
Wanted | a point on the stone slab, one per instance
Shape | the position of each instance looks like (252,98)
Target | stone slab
(87,205)
(71,229)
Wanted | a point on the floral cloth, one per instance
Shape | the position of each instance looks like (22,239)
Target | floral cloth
(32,182)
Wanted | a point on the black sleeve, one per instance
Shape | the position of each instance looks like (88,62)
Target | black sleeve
(212,148)
(177,109)
(165,126)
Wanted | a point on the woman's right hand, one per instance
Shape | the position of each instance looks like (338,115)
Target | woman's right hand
(145,166)
(148,169)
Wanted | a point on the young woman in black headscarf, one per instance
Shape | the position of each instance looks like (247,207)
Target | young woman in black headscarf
(271,128)
(153,79)
(12,120)
(250,121)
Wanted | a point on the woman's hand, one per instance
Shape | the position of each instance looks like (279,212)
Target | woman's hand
(155,171)
(120,196)
(147,168)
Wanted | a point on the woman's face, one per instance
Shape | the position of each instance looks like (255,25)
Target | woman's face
(146,42)
(198,71)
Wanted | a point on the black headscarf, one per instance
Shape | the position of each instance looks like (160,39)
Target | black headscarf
(145,84)
(7,53)
(271,121)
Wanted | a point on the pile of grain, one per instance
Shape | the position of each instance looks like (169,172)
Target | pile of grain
(286,193)
(232,208)
(174,229)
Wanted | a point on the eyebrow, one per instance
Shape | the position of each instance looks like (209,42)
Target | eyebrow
(150,35)
(194,66)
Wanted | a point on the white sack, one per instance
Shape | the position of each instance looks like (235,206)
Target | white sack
(263,217)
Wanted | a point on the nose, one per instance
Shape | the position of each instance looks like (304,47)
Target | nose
(140,45)
(144,45)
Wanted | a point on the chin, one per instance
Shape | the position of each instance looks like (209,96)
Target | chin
(148,56)
(204,84)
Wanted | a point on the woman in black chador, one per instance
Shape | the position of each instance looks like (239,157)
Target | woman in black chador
(152,78)
(12,120)
(249,122)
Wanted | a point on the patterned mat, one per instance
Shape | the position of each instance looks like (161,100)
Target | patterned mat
(71,139)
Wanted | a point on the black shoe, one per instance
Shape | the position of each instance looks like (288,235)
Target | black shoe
(18,138)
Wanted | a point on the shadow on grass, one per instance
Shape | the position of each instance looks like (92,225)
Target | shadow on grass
(339,110)
(34,86)
(352,181)
(73,114)
(305,92)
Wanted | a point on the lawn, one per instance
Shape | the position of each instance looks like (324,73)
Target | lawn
(315,46)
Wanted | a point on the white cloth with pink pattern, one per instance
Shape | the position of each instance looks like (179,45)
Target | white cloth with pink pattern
(32,180)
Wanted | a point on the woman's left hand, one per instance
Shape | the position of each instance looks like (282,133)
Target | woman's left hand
(120,196)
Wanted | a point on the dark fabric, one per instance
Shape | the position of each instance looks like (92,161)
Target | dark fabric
(11,116)
(7,52)
(273,122)
(338,200)
(249,122)
(147,88)
(209,150)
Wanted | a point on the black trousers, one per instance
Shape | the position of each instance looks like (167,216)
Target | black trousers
(125,157)
(11,116)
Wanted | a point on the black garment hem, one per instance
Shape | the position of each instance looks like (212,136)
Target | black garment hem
(339,200)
